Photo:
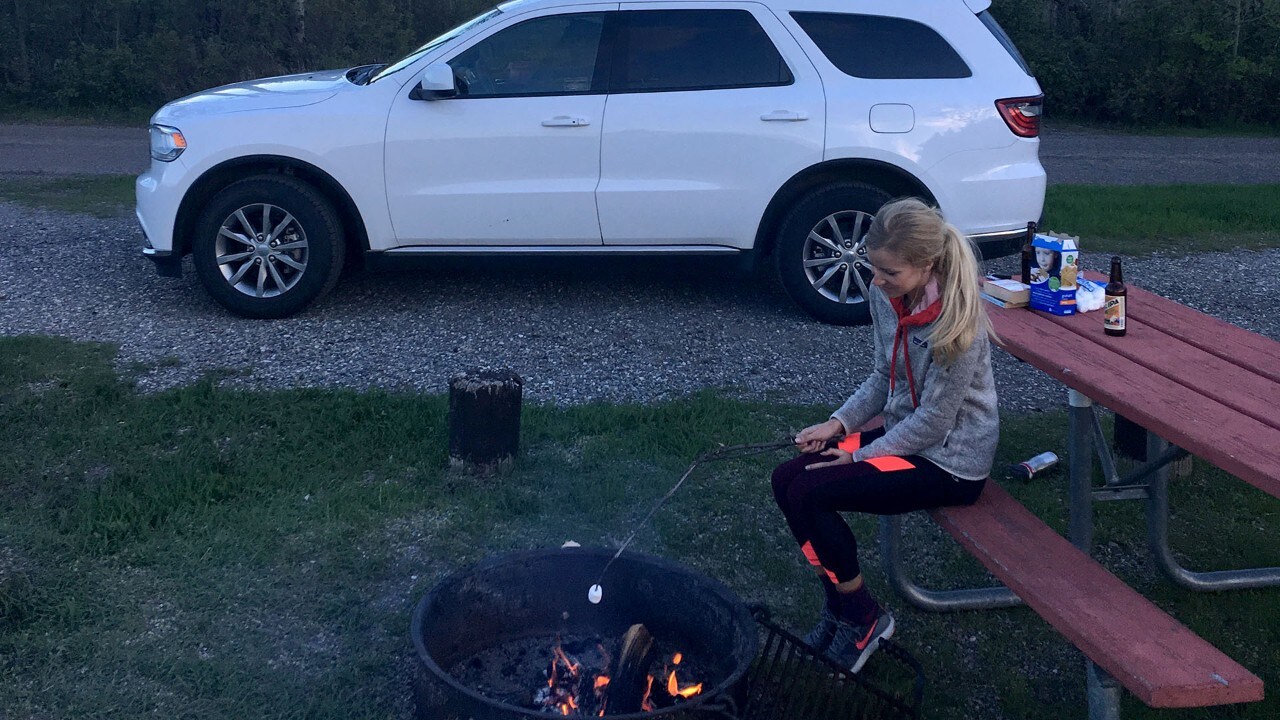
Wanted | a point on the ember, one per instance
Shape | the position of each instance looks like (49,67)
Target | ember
(566,680)
(578,689)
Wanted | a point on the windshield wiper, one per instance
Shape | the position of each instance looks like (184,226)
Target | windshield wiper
(360,75)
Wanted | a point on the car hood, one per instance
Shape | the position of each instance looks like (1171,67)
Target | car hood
(266,94)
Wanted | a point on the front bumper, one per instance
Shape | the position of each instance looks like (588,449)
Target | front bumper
(159,193)
(167,264)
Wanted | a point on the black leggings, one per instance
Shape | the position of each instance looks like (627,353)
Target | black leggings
(812,500)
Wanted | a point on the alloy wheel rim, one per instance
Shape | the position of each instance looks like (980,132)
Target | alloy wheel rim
(261,250)
(834,257)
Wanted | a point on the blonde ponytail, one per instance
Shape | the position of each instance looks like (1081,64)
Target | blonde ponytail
(963,317)
(919,235)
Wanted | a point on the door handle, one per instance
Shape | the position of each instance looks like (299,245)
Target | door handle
(784,116)
(565,121)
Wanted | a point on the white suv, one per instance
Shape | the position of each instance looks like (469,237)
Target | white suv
(690,127)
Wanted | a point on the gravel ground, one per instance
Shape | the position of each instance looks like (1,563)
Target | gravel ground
(576,332)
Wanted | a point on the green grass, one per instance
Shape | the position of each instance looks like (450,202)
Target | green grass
(98,195)
(1138,220)
(212,553)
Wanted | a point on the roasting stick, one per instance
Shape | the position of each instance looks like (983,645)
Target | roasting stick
(596,592)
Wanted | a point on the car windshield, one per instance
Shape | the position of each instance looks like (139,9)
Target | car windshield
(409,59)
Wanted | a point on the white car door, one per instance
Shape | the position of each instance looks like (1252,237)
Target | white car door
(514,159)
(712,108)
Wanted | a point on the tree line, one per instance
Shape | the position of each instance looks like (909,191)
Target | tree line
(1134,62)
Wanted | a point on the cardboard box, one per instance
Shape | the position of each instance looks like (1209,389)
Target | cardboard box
(1054,271)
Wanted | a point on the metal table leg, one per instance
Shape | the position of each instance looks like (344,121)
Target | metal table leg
(1158,540)
(1103,693)
(933,600)
(1080,447)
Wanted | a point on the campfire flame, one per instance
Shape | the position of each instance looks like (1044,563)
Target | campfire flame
(568,686)
(673,686)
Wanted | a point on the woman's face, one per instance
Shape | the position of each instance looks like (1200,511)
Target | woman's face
(895,276)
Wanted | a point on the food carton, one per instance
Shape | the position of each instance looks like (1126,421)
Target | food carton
(1054,272)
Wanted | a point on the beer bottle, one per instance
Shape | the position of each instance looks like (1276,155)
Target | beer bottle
(1027,253)
(1113,308)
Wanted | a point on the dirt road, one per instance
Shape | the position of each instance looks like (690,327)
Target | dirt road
(1070,156)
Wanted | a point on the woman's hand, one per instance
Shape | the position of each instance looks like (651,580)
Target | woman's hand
(840,457)
(815,437)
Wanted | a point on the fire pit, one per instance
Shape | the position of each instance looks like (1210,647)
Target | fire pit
(498,640)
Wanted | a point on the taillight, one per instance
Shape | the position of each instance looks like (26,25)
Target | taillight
(1022,115)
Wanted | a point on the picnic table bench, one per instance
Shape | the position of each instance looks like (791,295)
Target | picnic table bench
(1209,388)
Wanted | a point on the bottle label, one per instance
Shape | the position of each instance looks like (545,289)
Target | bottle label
(1113,312)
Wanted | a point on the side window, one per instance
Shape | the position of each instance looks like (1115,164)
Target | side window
(552,55)
(695,50)
(875,47)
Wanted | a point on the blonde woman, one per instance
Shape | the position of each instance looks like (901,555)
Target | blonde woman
(932,386)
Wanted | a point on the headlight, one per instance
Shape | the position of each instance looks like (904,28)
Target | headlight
(167,143)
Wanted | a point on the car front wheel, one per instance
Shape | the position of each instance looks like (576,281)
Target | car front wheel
(268,246)
(821,252)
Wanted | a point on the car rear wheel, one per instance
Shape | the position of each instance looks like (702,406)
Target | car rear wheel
(268,246)
(821,252)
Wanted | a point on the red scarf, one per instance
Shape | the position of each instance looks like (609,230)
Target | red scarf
(906,320)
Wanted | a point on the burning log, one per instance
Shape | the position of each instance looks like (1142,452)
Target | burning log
(629,684)
(484,420)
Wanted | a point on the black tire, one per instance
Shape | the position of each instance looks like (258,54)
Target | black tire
(852,206)
(254,278)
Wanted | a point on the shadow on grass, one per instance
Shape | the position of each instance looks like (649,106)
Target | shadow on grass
(227,553)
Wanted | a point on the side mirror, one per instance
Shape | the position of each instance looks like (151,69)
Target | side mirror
(437,83)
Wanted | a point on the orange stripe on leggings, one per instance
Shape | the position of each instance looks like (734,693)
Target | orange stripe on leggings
(812,556)
(851,442)
(889,463)
(807,549)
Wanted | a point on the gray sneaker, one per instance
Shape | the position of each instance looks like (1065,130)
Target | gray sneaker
(819,638)
(853,644)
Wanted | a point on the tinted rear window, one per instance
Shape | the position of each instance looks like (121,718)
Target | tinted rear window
(877,47)
(695,50)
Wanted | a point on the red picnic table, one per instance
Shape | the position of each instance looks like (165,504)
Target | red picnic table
(1193,381)
(1198,385)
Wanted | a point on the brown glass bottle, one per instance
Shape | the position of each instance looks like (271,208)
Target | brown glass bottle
(1027,253)
(1113,309)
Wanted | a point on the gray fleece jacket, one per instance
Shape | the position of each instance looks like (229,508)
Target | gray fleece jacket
(955,425)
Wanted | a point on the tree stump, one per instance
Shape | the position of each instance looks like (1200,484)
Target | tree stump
(484,420)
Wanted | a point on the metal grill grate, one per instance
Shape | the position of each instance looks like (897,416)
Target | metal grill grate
(789,682)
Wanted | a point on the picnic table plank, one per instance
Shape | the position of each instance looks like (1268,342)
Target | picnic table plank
(1192,367)
(1216,337)
(1157,658)
(1237,443)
